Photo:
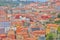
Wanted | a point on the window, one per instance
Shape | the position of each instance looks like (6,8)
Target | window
(2,30)
(57,7)
(34,29)
(22,11)
(41,38)
(5,24)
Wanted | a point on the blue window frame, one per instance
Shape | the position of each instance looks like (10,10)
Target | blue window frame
(5,24)
(34,29)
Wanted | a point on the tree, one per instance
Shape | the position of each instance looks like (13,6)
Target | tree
(59,15)
(58,30)
(49,36)
(58,22)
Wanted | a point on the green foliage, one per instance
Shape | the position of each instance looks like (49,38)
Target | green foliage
(59,15)
(58,22)
(58,29)
(49,36)
(1,4)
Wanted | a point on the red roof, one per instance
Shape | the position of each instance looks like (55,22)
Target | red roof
(45,16)
(58,3)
